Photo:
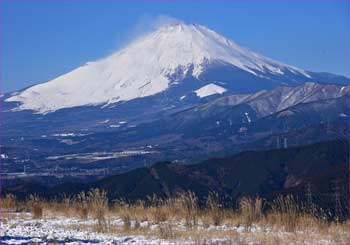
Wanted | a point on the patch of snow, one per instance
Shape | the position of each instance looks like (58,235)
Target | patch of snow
(69,134)
(209,89)
(247,117)
(64,135)
(61,230)
(242,130)
(69,142)
(3,156)
(104,121)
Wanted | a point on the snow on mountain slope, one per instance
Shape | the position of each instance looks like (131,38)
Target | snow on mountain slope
(148,66)
(209,89)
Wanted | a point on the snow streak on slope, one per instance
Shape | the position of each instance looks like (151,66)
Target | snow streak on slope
(209,89)
(146,67)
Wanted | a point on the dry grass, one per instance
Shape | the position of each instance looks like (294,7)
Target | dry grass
(37,206)
(250,211)
(97,202)
(9,203)
(81,204)
(181,217)
(214,208)
(189,205)
(166,231)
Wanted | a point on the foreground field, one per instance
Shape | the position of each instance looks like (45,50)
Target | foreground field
(90,219)
(21,228)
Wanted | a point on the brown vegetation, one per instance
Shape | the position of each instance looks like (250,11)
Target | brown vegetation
(183,217)
(36,206)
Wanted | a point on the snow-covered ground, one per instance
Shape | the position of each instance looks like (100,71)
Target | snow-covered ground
(21,228)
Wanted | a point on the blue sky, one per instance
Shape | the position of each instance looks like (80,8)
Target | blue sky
(43,39)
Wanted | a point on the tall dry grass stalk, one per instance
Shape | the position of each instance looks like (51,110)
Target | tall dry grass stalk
(9,203)
(214,208)
(81,204)
(37,206)
(98,205)
(250,210)
(286,212)
(189,205)
(157,208)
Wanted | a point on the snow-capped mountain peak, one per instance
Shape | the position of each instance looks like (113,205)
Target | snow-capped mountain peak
(147,66)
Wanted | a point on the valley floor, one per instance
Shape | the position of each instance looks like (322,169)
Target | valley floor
(22,228)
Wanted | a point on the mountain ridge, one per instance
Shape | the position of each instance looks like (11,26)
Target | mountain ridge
(274,172)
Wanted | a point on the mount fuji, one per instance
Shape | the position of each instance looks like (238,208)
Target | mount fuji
(181,93)
(175,61)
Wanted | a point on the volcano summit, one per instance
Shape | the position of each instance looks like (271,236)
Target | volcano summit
(160,61)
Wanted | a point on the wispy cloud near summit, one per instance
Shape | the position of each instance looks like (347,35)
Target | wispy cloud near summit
(147,23)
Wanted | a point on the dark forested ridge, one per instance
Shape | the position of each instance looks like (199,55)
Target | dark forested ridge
(319,167)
